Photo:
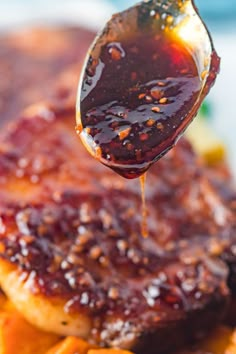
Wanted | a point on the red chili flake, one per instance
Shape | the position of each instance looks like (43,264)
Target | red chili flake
(160,126)
(143,136)
(138,154)
(124,133)
(98,152)
(156,93)
(114,125)
(155,56)
(130,146)
(115,53)
(78,128)
(133,76)
(172,299)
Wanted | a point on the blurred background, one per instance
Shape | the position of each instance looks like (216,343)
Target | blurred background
(220,16)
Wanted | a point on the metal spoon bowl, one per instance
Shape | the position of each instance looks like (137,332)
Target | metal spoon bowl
(154,18)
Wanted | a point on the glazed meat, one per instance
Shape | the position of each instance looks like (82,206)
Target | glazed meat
(38,64)
(73,259)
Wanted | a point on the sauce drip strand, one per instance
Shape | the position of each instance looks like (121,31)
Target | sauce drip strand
(135,100)
(144,223)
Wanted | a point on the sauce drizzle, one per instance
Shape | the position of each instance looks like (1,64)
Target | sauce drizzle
(144,222)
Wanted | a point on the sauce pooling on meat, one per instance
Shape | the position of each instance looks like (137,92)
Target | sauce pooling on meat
(135,100)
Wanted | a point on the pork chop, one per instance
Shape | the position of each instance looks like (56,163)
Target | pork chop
(72,256)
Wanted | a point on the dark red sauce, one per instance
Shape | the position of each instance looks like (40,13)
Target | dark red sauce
(136,99)
(144,223)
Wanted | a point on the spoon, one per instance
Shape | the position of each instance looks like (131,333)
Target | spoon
(143,82)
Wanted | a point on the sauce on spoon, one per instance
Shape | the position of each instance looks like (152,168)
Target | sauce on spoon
(135,98)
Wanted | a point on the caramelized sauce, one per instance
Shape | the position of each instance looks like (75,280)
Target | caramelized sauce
(136,99)
(144,224)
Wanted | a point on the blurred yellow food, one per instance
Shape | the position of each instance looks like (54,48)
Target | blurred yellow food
(71,345)
(108,351)
(19,337)
(205,142)
(2,301)
(221,341)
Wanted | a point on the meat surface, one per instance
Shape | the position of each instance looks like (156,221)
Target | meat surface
(73,259)
(36,64)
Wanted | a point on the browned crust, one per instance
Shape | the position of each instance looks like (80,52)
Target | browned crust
(74,228)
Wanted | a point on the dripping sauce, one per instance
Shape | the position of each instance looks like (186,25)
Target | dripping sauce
(144,223)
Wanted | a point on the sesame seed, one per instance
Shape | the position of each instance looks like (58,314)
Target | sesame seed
(148,98)
(154,291)
(83,238)
(95,252)
(104,261)
(161,83)
(163,100)
(87,130)
(204,74)
(65,265)
(84,300)
(113,293)
(122,245)
(188,285)
(156,109)
(23,163)
(206,62)
(141,96)
(169,20)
